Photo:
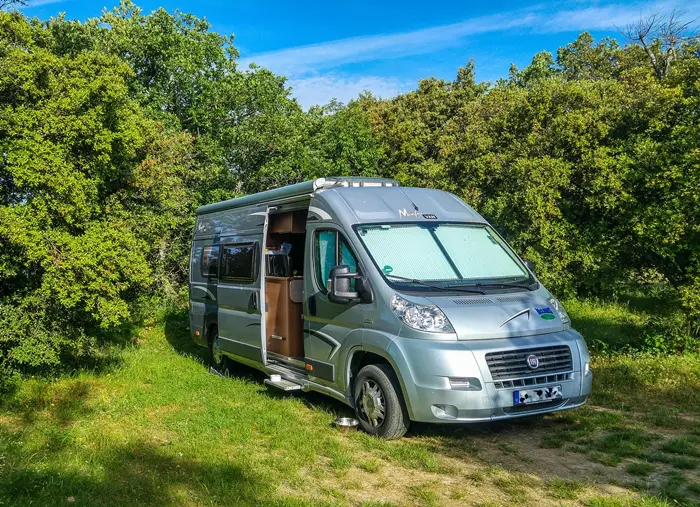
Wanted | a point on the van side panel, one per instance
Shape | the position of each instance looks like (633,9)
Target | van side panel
(221,304)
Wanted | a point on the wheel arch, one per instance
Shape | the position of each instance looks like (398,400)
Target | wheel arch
(362,356)
(209,327)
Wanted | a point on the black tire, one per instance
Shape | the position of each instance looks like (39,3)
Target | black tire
(218,360)
(395,420)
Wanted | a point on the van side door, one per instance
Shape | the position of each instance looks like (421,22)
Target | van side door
(239,312)
(328,326)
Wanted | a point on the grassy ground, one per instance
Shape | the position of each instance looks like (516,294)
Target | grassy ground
(154,427)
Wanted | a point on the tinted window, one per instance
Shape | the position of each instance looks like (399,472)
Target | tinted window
(237,262)
(345,256)
(329,253)
(325,255)
(210,261)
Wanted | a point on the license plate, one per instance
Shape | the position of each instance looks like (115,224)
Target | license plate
(538,395)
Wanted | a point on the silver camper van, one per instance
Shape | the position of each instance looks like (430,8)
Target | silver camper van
(402,302)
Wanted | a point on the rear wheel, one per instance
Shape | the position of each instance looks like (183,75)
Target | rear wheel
(379,403)
(217,359)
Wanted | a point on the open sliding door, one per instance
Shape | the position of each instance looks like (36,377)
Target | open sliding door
(263,295)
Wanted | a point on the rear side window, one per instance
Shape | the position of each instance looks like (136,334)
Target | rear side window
(238,263)
(210,261)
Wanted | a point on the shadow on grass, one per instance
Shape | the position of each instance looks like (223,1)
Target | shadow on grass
(609,334)
(136,474)
(178,336)
(63,402)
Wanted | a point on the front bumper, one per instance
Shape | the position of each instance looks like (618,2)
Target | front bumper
(425,368)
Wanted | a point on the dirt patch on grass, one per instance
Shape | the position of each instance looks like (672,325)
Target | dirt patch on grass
(11,423)
(467,484)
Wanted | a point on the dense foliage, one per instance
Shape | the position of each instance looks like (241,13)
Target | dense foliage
(114,130)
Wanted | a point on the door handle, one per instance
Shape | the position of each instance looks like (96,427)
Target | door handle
(254,300)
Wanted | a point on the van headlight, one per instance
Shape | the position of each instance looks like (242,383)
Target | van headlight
(422,317)
(560,311)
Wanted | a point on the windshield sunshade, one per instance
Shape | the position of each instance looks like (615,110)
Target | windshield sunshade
(441,252)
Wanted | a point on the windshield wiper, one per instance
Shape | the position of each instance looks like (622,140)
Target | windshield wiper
(421,282)
(499,284)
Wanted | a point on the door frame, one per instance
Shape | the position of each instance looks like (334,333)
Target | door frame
(270,208)
(263,284)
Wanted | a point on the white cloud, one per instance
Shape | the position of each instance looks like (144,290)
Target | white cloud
(39,3)
(604,17)
(310,68)
(314,90)
(301,60)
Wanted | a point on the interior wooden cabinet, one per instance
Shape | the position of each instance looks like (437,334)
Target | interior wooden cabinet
(290,221)
(285,332)
(283,294)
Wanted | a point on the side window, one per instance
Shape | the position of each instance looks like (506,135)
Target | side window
(325,246)
(345,256)
(238,263)
(331,249)
(210,261)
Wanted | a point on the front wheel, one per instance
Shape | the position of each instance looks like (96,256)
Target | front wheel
(379,403)
(217,359)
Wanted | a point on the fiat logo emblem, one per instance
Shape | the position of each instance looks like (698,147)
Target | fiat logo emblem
(533,362)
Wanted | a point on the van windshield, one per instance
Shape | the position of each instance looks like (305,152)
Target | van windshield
(448,253)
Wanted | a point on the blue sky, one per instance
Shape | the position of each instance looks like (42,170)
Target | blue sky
(335,49)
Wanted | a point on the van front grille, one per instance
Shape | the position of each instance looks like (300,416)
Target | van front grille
(533,381)
(513,364)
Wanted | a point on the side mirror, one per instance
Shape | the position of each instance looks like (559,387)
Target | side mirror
(529,264)
(339,290)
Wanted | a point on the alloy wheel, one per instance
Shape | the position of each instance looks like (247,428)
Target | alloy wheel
(372,403)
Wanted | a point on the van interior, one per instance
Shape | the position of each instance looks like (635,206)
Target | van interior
(284,284)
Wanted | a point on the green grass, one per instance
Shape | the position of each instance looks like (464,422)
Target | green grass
(624,442)
(153,427)
(672,486)
(640,468)
(683,463)
(603,501)
(607,326)
(513,485)
(424,494)
(372,466)
(565,489)
(681,445)
(663,417)
(661,386)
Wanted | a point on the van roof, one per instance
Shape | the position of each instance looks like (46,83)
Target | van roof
(298,189)
(398,204)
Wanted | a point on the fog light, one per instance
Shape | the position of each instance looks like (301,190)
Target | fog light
(444,411)
(465,383)
(586,369)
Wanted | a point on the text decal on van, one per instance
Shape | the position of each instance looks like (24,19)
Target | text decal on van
(404,213)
